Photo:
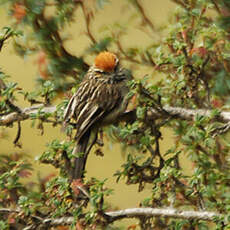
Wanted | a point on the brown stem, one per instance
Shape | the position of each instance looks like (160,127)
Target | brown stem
(144,16)
(216,7)
(87,18)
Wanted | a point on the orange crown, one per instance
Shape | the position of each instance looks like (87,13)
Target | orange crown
(105,61)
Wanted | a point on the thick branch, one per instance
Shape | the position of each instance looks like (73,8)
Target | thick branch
(175,112)
(147,212)
(189,114)
(134,213)
(25,114)
(163,212)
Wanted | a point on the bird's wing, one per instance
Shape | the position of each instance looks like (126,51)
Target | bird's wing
(68,113)
(93,100)
(77,98)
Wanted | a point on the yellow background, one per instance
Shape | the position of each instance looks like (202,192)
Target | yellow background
(24,72)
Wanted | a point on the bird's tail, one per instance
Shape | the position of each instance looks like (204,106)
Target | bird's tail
(81,153)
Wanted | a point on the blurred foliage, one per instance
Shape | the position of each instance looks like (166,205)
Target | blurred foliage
(193,58)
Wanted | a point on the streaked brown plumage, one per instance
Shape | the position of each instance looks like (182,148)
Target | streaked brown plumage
(100,100)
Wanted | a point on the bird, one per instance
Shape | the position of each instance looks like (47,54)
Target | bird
(100,100)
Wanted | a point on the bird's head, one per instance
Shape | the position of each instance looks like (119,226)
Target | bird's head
(108,63)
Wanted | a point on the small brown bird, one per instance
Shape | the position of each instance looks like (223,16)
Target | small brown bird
(99,101)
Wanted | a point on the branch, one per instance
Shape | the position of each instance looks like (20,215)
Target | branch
(147,212)
(144,16)
(175,112)
(88,17)
(54,44)
(181,3)
(131,58)
(8,33)
(133,213)
(163,212)
(8,101)
(189,114)
(217,7)
(25,114)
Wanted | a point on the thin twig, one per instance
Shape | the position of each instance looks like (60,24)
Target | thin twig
(6,36)
(144,16)
(221,130)
(41,22)
(216,7)
(87,18)
(181,3)
(8,102)
(18,135)
(201,75)
(127,57)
